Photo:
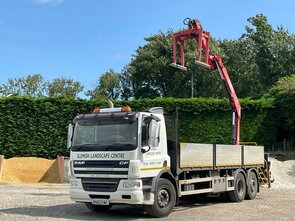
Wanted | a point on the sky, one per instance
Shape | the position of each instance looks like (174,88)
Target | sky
(83,39)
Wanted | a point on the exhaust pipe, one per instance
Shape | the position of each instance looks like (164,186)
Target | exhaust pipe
(111,105)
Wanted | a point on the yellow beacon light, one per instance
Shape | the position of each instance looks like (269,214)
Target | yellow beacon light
(95,110)
(126,109)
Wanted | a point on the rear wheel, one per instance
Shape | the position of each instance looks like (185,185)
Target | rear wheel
(164,201)
(238,194)
(97,208)
(252,186)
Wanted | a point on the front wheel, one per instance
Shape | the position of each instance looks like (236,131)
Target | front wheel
(164,199)
(97,208)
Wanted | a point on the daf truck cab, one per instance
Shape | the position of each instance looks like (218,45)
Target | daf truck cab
(116,155)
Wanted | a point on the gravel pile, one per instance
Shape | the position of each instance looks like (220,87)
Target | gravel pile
(283,173)
(30,170)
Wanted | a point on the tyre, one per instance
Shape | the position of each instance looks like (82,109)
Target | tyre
(238,194)
(164,199)
(252,186)
(97,208)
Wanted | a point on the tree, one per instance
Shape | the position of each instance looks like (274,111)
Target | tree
(150,75)
(239,59)
(254,62)
(31,85)
(64,87)
(126,92)
(108,86)
(274,50)
(284,94)
(259,58)
(286,84)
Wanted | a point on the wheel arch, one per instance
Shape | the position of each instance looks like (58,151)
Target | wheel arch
(237,171)
(168,176)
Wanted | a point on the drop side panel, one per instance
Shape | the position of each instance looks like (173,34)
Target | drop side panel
(228,155)
(253,155)
(196,155)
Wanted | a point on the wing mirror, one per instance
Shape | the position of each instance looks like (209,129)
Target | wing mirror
(153,123)
(154,133)
(70,135)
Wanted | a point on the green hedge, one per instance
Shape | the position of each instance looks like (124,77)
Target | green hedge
(285,103)
(204,120)
(38,126)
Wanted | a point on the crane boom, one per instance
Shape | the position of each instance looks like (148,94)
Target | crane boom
(208,60)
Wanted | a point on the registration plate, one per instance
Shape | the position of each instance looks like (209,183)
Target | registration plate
(103,202)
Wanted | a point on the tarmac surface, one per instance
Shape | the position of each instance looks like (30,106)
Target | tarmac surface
(52,202)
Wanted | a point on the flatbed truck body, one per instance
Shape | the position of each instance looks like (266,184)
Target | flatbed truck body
(126,157)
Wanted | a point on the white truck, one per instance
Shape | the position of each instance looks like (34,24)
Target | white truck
(123,157)
(119,156)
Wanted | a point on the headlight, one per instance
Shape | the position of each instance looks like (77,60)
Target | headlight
(129,184)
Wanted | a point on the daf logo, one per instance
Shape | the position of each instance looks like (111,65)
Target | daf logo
(79,162)
(122,163)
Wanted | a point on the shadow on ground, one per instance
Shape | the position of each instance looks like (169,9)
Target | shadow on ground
(78,211)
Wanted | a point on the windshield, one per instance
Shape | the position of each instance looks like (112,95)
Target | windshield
(114,136)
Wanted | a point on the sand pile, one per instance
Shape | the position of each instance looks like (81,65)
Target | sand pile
(283,173)
(30,170)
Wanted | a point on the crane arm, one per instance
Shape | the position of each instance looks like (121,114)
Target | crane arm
(208,60)
(216,63)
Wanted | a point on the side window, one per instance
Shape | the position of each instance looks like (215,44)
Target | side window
(144,132)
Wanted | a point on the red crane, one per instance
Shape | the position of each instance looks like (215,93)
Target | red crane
(208,60)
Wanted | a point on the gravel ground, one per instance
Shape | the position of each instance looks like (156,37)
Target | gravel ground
(51,202)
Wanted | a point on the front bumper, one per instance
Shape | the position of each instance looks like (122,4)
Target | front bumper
(135,195)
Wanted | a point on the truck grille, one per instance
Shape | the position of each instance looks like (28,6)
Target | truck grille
(77,172)
(101,164)
(100,176)
(100,185)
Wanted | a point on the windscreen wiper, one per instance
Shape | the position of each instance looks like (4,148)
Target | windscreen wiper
(82,146)
(118,146)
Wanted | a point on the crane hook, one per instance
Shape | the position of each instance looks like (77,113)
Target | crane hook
(187,21)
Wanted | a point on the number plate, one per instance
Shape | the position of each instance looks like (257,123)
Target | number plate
(103,202)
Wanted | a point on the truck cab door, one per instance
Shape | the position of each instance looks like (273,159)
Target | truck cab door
(153,146)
